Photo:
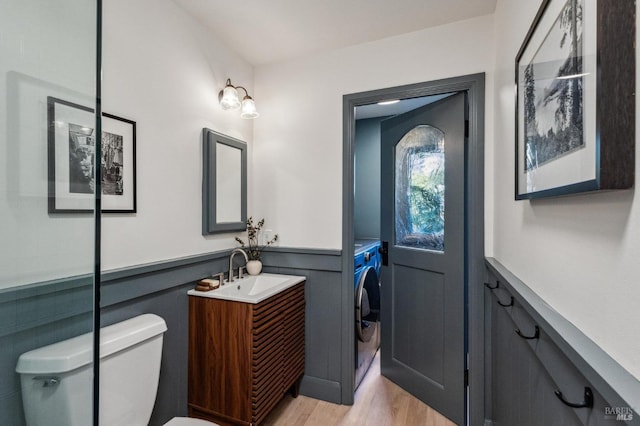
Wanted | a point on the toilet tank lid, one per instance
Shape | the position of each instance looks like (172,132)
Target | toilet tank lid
(77,352)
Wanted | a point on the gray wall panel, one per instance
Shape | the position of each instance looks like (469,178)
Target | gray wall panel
(28,307)
(618,387)
(126,284)
(312,259)
(525,373)
(172,305)
(33,316)
(161,289)
(323,338)
(522,389)
(366,209)
(12,345)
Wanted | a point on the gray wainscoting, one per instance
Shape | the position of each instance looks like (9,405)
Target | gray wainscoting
(525,373)
(33,316)
(39,314)
(161,288)
(323,340)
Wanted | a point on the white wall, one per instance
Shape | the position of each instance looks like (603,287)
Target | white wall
(163,69)
(46,49)
(580,254)
(297,159)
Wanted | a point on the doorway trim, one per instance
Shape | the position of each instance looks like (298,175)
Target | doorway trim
(474,86)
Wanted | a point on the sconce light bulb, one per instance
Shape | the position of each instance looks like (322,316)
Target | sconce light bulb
(229,98)
(249,108)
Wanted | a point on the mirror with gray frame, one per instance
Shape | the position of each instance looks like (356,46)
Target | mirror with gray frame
(224,183)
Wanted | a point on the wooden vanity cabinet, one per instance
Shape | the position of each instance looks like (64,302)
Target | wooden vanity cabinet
(244,357)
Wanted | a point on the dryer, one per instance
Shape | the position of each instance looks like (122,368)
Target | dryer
(367,263)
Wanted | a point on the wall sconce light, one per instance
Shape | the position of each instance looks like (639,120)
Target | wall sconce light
(229,99)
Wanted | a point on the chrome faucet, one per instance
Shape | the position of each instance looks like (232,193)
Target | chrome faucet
(233,253)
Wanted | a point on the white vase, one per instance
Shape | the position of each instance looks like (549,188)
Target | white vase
(254,267)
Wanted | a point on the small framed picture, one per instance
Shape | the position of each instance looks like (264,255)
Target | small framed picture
(72,160)
(575,99)
(118,164)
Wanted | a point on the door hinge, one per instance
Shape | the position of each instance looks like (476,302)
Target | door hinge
(466,128)
(466,378)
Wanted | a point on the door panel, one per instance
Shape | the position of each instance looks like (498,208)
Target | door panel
(417,347)
(422,217)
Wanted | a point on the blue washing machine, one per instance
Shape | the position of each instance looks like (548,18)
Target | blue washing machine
(367,264)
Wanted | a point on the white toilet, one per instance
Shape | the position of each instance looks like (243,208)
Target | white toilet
(57,379)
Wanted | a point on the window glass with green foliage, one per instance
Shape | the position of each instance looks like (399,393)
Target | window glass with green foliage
(419,189)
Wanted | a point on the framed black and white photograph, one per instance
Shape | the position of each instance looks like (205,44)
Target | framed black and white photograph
(118,164)
(575,107)
(72,160)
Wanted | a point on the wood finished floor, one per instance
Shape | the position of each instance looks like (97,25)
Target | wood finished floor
(378,402)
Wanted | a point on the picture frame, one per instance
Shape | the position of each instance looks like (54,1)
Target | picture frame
(575,99)
(71,160)
(224,183)
(119,189)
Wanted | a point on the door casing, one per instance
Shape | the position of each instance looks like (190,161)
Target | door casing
(474,85)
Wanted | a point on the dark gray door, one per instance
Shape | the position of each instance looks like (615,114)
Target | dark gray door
(422,221)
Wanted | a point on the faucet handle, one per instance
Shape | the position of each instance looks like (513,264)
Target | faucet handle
(240,272)
(220,277)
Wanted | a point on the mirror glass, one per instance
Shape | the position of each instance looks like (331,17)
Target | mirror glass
(228,183)
(224,183)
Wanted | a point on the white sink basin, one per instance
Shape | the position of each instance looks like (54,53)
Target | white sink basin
(252,289)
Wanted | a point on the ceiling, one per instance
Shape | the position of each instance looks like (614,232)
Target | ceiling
(405,105)
(267,31)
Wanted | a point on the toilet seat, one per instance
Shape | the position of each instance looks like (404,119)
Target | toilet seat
(188,421)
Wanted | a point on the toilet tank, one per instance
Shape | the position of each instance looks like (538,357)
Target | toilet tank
(57,379)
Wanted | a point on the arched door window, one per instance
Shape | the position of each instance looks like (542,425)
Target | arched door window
(419,189)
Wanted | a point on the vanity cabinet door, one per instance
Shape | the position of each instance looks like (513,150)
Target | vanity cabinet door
(268,356)
(220,355)
(294,340)
(274,348)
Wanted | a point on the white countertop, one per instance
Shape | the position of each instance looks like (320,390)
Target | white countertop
(251,289)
